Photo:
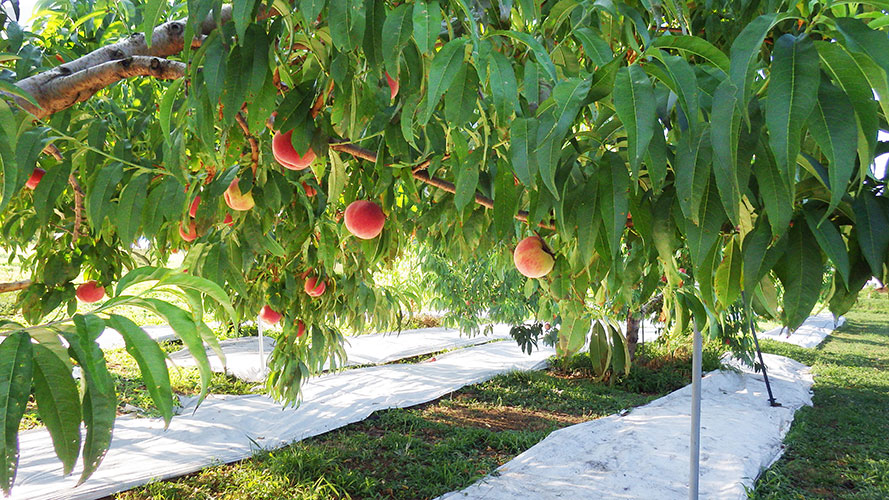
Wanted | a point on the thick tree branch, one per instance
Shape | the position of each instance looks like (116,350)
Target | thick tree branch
(61,87)
(14,286)
(65,91)
(420,174)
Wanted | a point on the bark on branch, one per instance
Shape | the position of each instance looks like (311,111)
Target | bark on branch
(77,80)
(421,175)
(14,286)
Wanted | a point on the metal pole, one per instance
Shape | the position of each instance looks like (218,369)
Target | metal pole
(259,328)
(694,458)
(762,363)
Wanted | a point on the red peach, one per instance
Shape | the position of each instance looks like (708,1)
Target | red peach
(90,292)
(300,329)
(364,219)
(315,287)
(237,200)
(531,259)
(269,315)
(193,211)
(393,86)
(36,175)
(189,235)
(286,155)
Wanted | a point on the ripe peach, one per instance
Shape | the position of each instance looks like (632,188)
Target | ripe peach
(193,211)
(284,153)
(237,200)
(90,292)
(36,175)
(315,287)
(269,315)
(364,219)
(228,221)
(191,234)
(393,86)
(300,328)
(531,259)
(310,191)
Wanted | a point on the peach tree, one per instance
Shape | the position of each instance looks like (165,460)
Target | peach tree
(720,153)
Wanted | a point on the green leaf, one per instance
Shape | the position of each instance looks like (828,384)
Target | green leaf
(427,25)
(256,47)
(15,90)
(185,328)
(725,126)
(375,13)
(17,170)
(150,17)
(620,354)
(98,199)
(503,85)
(594,46)
(830,240)
(837,136)
(872,224)
(701,237)
(600,349)
(800,271)
(636,106)
(585,219)
(336,181)
(58,403)
(166,110)
(540,53)
(128,217)
(467,180)
(152,363)
(774,192)
(311,9)
(347,24)
(505,202)
(523,143)
(569,96)
(745,48)
(793,91)
(397,30)
(755,246)
(53,184)
(214,67)
(684,84)
(727,283)
(442,72)
(99,400)
(860,38)
(461,97)
(614,183)
(16,367)
(242,15)
(696,46)
(692,171)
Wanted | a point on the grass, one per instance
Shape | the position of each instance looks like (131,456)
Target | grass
(132,392)
(427,450)
(839,448)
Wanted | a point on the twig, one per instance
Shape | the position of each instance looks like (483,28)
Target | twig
(14,286)
(78,206)
(420,174)
(254,146)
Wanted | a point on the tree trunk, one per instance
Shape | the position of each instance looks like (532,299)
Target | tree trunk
(633,323)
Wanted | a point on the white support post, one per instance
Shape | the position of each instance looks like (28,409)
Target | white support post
(259,328)
(694,456)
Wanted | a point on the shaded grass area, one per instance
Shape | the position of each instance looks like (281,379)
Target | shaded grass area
(132,392)
(412,453)
(839,449)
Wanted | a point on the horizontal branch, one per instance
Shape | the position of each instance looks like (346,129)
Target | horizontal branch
(14,286)
(421,175)
(56,89)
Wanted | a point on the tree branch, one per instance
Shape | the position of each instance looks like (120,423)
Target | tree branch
(420,174)
(53,94)
(14,286)
(254,145)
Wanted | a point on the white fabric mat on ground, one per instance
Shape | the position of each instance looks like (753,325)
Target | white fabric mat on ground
(221,430)
(110,339)
(243,359)
(812,332)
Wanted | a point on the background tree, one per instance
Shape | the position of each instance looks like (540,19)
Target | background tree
(734,139)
